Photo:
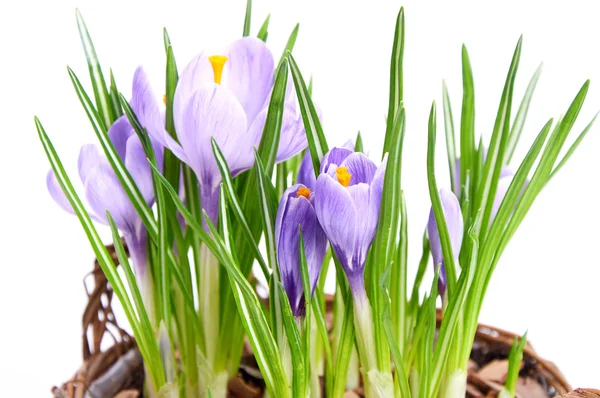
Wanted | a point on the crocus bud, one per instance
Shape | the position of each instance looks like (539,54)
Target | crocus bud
(454,222)
(347,199)
(296,209)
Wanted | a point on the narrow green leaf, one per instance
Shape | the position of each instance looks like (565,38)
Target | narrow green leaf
(514,364)
(344,350)
(400,373)
(396,79)
(486,189)
(324,333)
(317,143)
(436,203)
(289,45)
(299,381)
(358,143)
(263,32)
(236,207)
(307,300)
(114,97)
(467,119)
(450,137)
(519,122)
(574,146)
(101,95)
(388,228)
(247,18)
(398,285)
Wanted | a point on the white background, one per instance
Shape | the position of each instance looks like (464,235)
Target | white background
(547,279)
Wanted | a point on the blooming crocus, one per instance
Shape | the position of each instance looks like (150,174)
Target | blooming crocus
(347,199)
(226,97)
(454,222)
(306,173)
(103,190)
(296,209)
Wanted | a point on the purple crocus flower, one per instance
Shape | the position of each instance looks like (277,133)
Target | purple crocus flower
(226,97)
(347,200)
(306,173)
(454,222)
(296,208)
(103,190)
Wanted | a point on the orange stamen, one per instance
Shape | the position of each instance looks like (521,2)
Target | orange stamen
(303,191)
(343,176)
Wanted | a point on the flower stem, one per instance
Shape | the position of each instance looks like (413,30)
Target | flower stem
(209,301)
(377,383)
(455,385)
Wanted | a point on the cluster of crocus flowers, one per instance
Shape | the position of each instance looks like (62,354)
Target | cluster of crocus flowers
(103,190)
(226,97)
(346,197)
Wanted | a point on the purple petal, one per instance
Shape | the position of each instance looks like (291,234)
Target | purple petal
(360,167)
(89,157)
(137,164)
(334,158)
(250,73)
(197,74)
(105,193)
(145,105)
(297,210)
(213,111)
(377,182)
(293,136)
(119,132)
(306,173)
(138,249)
(367,214)
(337,214)
(57,193)
(454,222)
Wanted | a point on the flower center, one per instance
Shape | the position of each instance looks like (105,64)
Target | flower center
(165,99)
(303,191)
(343,176)
(217,62)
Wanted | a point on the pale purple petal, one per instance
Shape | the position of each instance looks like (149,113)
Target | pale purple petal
(367,214)
(377,182)
(334,158)
(360,167)
(249,72)
(213,111)
(138,250)
(454,222)
(293,136)
(104,192)
(337,214)
(145,106)
(119,132)
(306,172)
(57,193)
(89,157)
(197,74)
(137,164)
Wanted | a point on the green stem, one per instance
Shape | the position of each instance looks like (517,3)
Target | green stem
(377,383)
(209,302)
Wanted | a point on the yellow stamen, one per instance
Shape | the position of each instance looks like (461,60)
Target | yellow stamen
(217,62)
(303,191)
(343,176)
(165,99)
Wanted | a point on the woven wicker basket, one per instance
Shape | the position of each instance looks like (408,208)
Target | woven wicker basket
(538,377)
